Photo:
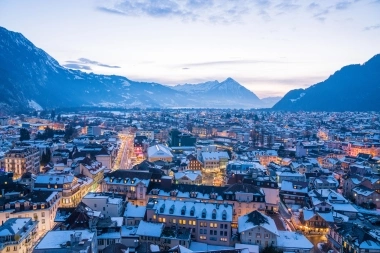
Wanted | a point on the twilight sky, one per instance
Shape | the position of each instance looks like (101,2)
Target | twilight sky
(269,46)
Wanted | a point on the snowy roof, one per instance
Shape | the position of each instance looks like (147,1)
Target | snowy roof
(54,179)
(200,210)
(293,186)
(150,229)
(190,174)
(293,240)
(251,248)
(256,219)
(128,231)
(209,156)
(133,211)
(54,239)
(159,151)
(204,247)
(362,190)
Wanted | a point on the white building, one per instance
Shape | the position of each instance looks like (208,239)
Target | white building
(18,235)
(38,205)
(83,241)
(107,204)
(257,228)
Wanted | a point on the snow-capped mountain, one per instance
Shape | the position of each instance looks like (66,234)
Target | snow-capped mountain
(216,94)
(30,78)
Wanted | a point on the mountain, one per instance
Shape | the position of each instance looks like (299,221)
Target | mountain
(352,88)
(269,102)
(228,93)
(30,78)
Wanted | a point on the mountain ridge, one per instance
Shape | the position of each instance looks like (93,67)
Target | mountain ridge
(355,87)
(34,79)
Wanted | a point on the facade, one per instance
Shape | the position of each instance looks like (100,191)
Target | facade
(208,222)
(107,204)
(71,187)
(349,237)
(294,192)
(257,228)
(18,235)
(40,206)
(132,183)
(188,177)
(22,160)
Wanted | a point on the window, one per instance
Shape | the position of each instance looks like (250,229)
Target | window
(43,221)
(221,233)
(202,237)
(104,208)
(225,226)
(223,239)
(174,221)
(221,226)
(225,233)
(94,205)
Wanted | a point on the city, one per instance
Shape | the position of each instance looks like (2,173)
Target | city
(201,179)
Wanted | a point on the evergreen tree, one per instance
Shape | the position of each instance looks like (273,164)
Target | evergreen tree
(24,134)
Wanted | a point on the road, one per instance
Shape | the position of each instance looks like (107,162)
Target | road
(277,220)
(126,148)
(315,239)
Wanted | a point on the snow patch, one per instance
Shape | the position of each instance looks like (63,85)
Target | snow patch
(301,95)
(148,92)
(33,104)
(126,83)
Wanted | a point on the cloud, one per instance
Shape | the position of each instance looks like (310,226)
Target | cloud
(77,66)
(372,27)
(84,62)
(214,11)
(342,5)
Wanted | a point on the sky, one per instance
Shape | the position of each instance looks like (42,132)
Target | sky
(268,46)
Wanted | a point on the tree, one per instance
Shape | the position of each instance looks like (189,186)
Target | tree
(59,117)
(46,156)
(69,132)
(52,114)
(271,249)
(24,134)
(48,133)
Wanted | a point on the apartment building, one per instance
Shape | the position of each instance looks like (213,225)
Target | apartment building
(18,235)
(257,228)
(21,160)
(208,222)
(108,204)
(39,205)
(132,183)
(349,237)
(71,187)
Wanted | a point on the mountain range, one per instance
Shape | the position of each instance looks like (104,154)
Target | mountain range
(31,78)
(352,88)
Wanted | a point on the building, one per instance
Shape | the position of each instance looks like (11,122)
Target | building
(18,235)
(349,237)
(133,214)
(71,187)
(208,222)
(294,192)
(288,241)
(132,183)
(188,177)
(84,241)
(38,205)
(214,162)
(22,160)
(257,228)
(108,204)
(159,152)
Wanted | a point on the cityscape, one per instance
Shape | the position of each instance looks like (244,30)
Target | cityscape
(190,126)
